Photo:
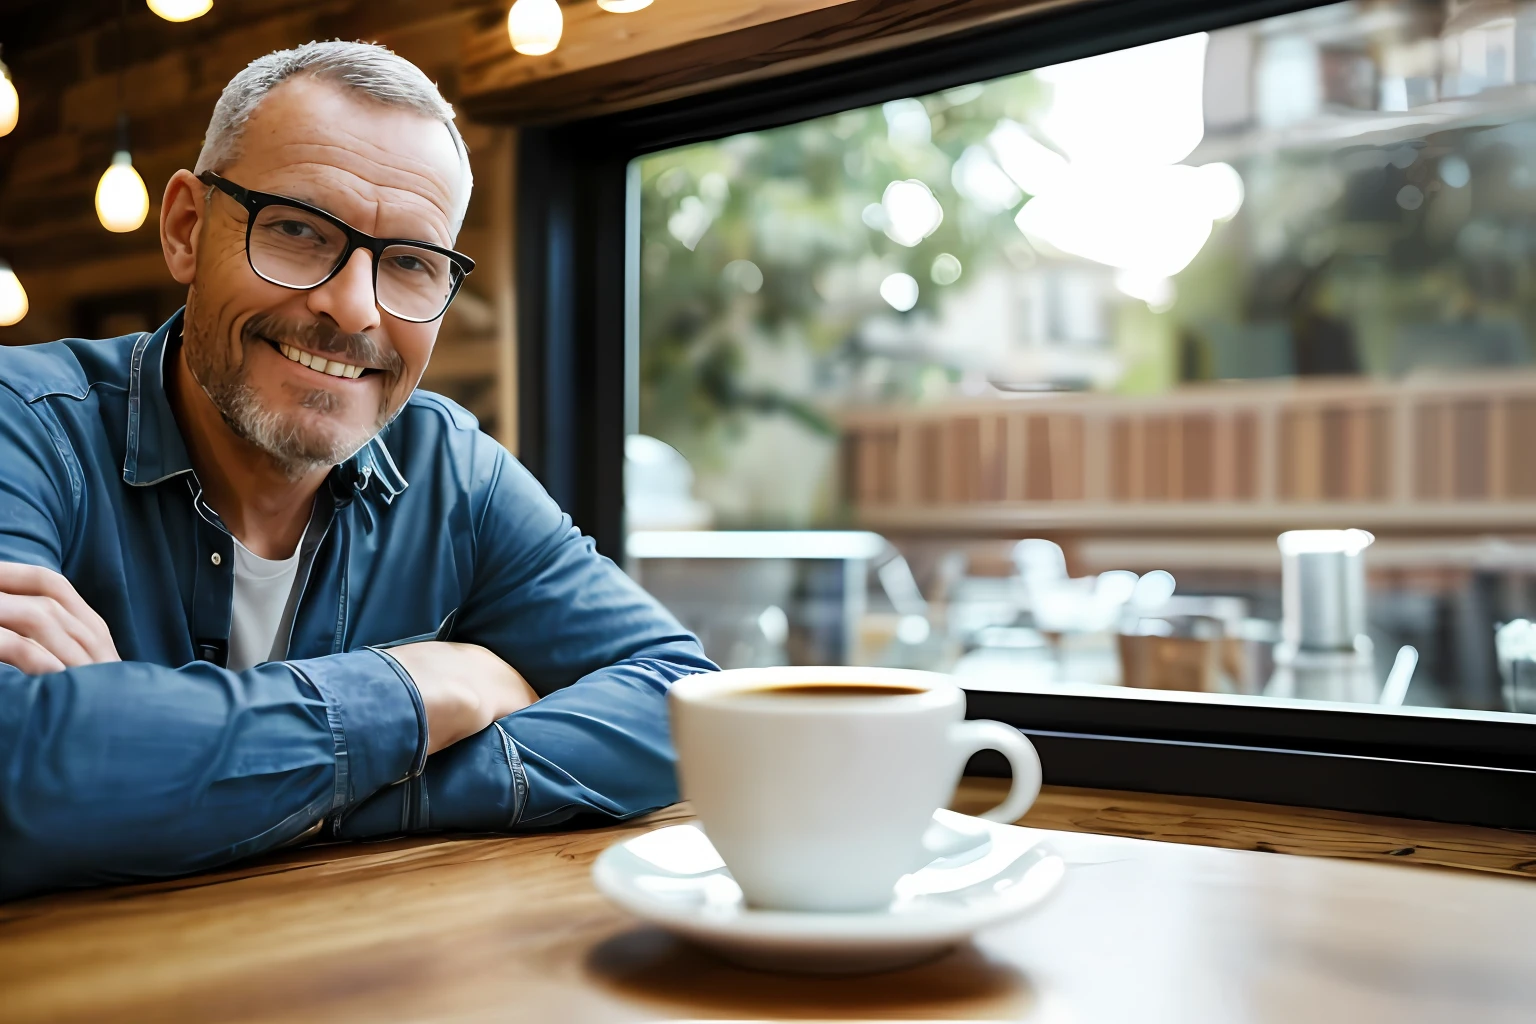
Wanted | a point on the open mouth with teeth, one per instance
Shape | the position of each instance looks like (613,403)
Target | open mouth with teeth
(330,367)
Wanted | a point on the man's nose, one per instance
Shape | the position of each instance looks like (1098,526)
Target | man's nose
(348,297)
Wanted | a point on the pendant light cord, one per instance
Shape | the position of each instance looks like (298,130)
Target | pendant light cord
(122,74)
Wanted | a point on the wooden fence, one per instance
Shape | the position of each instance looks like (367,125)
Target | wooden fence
(1448,454)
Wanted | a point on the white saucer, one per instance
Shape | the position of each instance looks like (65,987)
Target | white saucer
(673,878)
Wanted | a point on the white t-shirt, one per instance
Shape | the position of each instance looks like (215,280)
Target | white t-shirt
(262,588)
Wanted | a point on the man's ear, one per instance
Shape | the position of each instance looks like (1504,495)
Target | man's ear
(181,219)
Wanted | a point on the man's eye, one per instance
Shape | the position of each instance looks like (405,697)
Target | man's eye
(296,229)
(411,264)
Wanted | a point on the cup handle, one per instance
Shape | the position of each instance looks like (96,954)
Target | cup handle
(971,737)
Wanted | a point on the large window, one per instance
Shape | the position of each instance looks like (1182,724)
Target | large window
(1024,379)
(1162,370)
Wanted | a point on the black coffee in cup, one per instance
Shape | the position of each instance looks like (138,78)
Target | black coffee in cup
(830,690)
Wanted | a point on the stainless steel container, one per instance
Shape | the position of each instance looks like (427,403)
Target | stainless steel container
(1324,653)
(1323,588)
(1516,646)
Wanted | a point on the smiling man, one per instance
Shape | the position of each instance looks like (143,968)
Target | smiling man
(256,588)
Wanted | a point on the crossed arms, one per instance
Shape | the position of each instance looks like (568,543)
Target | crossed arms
(117,770)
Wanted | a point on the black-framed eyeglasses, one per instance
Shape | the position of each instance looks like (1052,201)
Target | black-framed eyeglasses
(295,245)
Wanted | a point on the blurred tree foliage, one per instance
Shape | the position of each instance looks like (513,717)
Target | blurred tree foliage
(759,247)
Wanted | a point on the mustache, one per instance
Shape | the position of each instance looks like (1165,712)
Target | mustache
(323,338)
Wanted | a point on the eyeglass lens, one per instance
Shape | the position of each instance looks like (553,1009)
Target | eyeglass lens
(297,249)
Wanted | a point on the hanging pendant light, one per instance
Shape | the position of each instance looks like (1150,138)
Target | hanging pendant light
(180,10)
(13,297)
(10,103)
(535,26)
(122,201)
(623,6)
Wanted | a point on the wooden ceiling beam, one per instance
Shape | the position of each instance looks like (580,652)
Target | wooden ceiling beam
(609,62)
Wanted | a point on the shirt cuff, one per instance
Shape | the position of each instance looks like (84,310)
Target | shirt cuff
(376,716)
(419,763)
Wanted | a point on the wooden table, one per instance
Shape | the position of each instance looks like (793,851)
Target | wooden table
(510,928)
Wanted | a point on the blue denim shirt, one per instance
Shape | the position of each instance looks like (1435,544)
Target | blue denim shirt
(168,763)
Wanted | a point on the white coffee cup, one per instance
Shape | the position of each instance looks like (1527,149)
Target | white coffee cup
(822,802)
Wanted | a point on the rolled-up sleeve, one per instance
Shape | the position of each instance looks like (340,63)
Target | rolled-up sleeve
(600,652)
(376,717)
(124,771)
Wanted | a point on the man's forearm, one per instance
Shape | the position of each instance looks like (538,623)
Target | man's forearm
(599,746)
(604,744)
(124,771)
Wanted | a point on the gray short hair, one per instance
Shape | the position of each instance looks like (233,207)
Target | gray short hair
(368,68)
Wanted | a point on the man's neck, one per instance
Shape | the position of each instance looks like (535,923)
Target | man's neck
(259,503)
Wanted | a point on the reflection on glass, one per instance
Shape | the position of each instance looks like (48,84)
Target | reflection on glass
(1146,311)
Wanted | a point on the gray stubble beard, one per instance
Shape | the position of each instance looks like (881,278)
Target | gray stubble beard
(239,405)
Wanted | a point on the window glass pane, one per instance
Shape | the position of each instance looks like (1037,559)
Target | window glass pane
(1057,358)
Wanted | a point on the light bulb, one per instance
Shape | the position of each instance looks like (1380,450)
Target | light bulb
(13,297)
(180,10)
(623,6)
(10,103)
(122,202)
(535,26)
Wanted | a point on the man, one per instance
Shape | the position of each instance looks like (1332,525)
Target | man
(256,588)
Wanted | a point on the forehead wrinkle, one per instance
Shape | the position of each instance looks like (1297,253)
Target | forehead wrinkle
(416,173)
(362,195)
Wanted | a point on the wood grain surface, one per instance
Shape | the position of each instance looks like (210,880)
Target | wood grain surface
(1266,828)
(684,47)
(510,928)
(592,36)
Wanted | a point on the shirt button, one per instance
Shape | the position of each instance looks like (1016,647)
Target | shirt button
(217,559)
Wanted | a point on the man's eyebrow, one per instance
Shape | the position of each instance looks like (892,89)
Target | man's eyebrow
(309,201)
(301,197)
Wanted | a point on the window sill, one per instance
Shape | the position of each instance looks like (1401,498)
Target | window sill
(1267,828)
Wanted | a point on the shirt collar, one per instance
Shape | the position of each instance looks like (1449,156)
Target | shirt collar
(155,451)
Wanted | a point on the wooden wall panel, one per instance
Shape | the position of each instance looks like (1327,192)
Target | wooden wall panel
(1121,475)
(593,38)
(964,468)
(1157,442)
(1037,459)
(683,47)
(993,485)
(1013,464)
(930,463)
(1068,458)
(1520,448)
(886,479)
(1198,451)
(1334,457)
(1470,463)
(1427,460)
(1245,427)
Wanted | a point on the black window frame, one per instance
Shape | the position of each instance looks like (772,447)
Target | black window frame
(577,250)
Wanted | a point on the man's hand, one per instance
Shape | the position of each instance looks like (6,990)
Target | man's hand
(45,626)
(464,687)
